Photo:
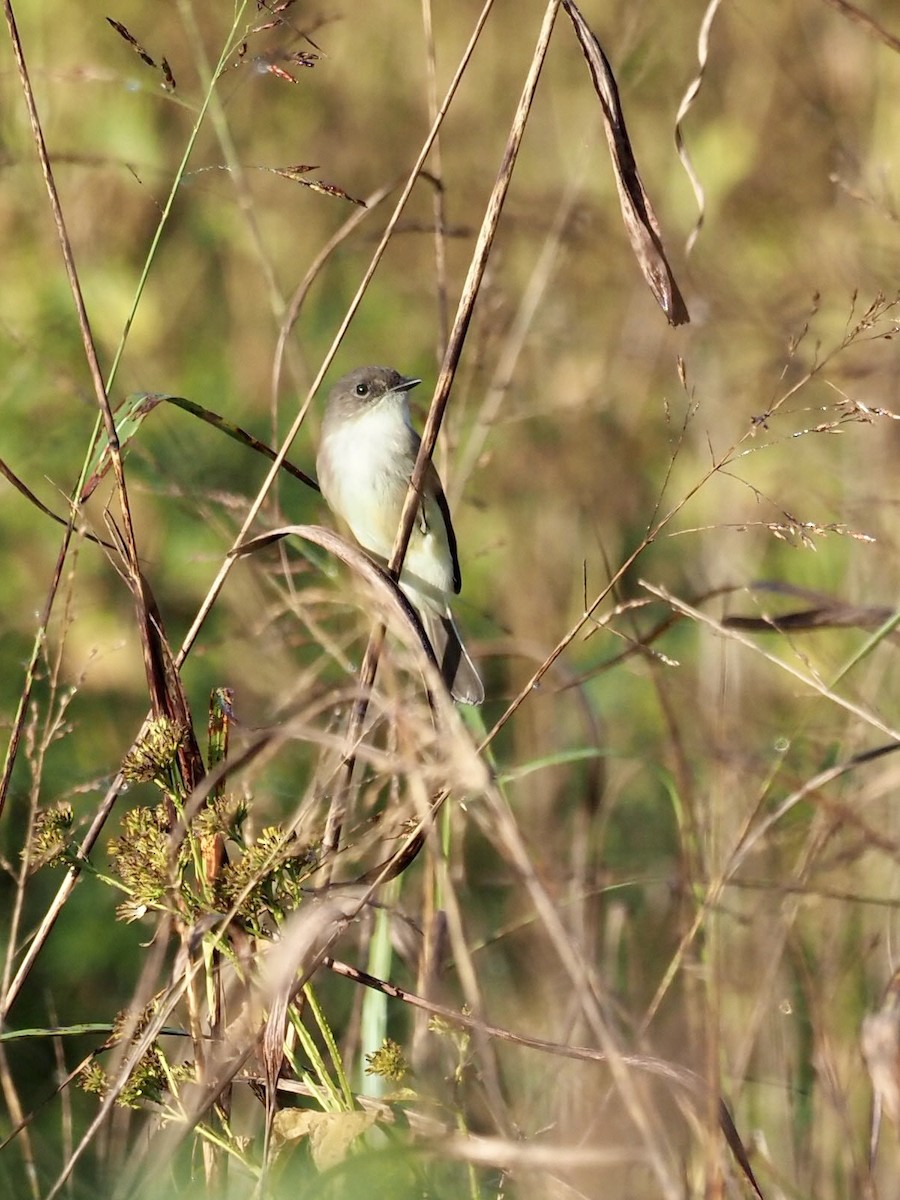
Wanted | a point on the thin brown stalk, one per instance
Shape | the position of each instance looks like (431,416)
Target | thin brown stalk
(292,311)
(465,968)
(50,917)
(219,581)
(808,680)
(748,836)
(19,1123)
(438,206)
(666,1070)
(500,826)
(440,400)
(514,343)
(93,363)
(854,13)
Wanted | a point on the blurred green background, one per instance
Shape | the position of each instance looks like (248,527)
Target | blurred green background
(795,136)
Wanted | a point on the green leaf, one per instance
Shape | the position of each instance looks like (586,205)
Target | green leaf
(128,419)
(551,760)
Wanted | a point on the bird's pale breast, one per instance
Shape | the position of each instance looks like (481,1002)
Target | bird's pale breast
(365,464)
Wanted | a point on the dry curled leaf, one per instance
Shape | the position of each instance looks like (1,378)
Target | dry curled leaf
(824,612)
(330,1134)
(684,108)
(637,211)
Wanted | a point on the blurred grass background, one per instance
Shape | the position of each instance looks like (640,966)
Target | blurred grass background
(795,138)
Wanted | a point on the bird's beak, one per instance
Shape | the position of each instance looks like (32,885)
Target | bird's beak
(406,384)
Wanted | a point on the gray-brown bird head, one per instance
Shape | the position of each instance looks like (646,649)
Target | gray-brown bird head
(364,387)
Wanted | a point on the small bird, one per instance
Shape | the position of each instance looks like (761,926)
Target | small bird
(367,452)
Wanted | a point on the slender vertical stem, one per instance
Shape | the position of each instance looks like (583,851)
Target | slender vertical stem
(438,204)
(439,402)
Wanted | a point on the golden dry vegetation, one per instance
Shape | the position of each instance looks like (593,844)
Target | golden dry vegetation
(678,847)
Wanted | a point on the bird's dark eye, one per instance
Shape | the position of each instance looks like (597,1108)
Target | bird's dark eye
(362,389)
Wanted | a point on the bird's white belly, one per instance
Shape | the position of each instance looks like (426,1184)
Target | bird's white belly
(364,485)
(372,458)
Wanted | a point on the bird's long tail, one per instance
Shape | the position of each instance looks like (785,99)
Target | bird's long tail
(456,666)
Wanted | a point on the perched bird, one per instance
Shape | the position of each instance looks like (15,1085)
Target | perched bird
(366,457)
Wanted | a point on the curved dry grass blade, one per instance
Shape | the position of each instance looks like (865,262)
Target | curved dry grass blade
(375,576)
(393,602)
(403,858)
(242,436)
(637,211)
(167,695)
(736,1146)
(138,405)
(687,103)
(29,495)
(823,612)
